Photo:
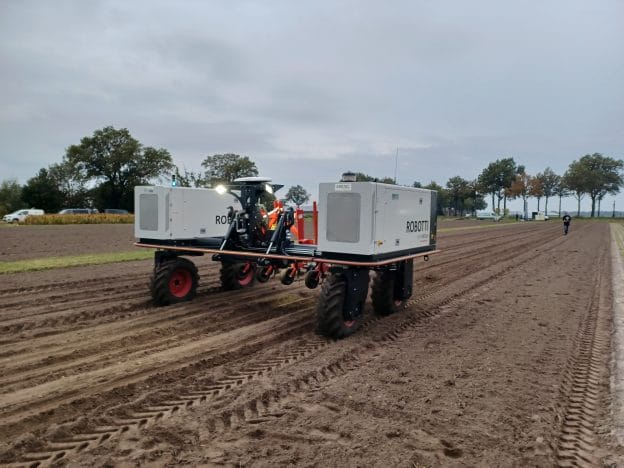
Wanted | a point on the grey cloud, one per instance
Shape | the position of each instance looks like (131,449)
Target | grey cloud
(308,90)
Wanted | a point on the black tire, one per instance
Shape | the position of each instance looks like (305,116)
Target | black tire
(383,295)
(174,280)
(330,315)
(264,274)
(287,276)
(312,279)
(236,276)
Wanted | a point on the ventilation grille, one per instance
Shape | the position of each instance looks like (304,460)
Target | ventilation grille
(343,217)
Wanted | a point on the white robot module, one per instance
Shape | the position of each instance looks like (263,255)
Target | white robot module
(362,226)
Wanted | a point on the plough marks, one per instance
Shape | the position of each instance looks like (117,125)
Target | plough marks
(103,375)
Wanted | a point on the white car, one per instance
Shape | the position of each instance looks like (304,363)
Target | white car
(488,215)
(20,215)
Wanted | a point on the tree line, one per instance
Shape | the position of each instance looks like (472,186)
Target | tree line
(102,170)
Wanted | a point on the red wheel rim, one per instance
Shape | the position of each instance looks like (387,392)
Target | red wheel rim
(245,275)
(349,323)
(180,282)
(398,302)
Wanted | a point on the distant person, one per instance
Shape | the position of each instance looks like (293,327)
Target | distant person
(566,223)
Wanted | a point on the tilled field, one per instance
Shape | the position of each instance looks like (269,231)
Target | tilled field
(501,358)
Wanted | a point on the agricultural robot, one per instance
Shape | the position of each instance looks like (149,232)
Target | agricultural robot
(359,227)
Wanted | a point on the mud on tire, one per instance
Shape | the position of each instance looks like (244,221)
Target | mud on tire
(174,280)
(383,294)
(330,317)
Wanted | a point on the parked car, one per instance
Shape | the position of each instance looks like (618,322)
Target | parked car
(488,215)
(77,211)
(116,211)
(20,215)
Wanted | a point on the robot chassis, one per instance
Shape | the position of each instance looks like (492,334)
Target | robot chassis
(258,245)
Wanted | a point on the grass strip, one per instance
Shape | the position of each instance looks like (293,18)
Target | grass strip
(20,266)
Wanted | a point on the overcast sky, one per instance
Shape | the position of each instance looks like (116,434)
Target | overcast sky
(311,89)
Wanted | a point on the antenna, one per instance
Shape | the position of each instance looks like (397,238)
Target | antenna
(396,163)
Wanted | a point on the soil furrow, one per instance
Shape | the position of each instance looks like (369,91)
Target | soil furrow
(586,379)
(383,330)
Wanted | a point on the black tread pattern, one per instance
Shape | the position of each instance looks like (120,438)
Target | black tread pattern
(159,282)
(330,320)
(382,293)
(229,277)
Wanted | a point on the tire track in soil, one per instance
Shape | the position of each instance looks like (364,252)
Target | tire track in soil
(85,364)
(585,386)
(464,246)
(157,317)
(152,339)
(126,309)
(85,300)
(83,309)
(384,331)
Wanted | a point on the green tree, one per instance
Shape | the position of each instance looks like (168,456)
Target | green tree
(597,175)
(361,177)
(474,201)
(10,196)
(442,198)
(550,182)
(417,184)
(188,178)
(297,194)
(537,190)
(224,168)
(118,162)
(575,180)
(72,184)
(387,180)
(458,190)
(561,191)
(521,188)
(496,177)
(42,191)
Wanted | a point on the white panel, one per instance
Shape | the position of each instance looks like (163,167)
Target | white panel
(185,213)
(392,218)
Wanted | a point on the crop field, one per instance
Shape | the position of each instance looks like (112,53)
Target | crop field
(502,358)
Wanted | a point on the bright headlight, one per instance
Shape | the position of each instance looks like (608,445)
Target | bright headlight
(268,188)
(221,189)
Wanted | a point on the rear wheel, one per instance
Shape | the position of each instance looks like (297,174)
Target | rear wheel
(383,294)
(174,280)
(236,275)
(331,319)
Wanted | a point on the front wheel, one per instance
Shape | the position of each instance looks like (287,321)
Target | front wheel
(236,275)
(384,295)
(287,275)
(174,280)
(264,273)
(331,318)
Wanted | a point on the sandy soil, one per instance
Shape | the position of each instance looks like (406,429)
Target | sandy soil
(500,359)
(26,242)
